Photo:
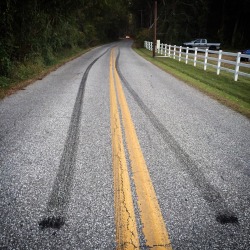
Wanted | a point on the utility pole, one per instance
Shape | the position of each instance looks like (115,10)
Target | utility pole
(155,27)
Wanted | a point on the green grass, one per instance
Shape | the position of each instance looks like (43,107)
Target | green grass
(223,88)
(34,69)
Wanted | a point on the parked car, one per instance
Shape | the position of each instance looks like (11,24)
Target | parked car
(202,44)
(245,52)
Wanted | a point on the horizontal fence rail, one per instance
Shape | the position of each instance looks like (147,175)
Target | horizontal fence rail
(220,60)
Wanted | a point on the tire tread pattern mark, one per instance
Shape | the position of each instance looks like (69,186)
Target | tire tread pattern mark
(60,195)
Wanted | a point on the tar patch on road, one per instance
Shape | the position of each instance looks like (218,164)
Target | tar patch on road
(227,219)
(52,222)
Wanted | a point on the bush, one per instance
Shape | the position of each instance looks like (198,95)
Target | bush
(5,66)
(4,82)
(48,56)
(143,35)
(5,61)
(27,69)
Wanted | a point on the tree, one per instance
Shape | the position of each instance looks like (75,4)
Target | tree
(43,27)
(181,20)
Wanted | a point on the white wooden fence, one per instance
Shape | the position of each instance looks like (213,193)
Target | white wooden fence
(205,57)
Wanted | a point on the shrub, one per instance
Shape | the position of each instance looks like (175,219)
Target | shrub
(143,35)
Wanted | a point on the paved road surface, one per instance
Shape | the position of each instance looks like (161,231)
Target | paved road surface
(109,151)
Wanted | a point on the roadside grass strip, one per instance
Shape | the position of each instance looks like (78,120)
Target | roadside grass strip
(222,88)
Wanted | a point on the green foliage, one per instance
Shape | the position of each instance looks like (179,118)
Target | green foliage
(5,65)
(4,82)
(143,35)
(43,28)
(28,68)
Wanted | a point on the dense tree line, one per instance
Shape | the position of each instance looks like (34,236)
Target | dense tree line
(31,28)
(181,20)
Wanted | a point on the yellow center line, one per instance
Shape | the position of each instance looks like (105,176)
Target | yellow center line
(154,228)
(126,232)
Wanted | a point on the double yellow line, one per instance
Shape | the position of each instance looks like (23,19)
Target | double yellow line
(154,228)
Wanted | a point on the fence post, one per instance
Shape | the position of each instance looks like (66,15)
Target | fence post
(158,46)
(169,50)
(165,50)
(180,53)
(174,51)
(205,60)
(237,67)
(219,62)
(187,49)
(195,56)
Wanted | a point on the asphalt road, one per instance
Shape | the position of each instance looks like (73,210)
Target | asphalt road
(57,172)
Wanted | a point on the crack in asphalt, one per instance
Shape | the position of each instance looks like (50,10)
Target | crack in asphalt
(209,193)
(60,195)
